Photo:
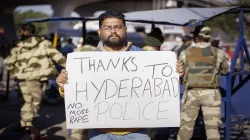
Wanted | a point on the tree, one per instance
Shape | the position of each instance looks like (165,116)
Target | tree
(243,3)
(226,22)
(19,17)
(229,23)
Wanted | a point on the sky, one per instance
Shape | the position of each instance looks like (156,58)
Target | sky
(42,8)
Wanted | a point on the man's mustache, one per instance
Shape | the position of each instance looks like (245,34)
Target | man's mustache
(114,35)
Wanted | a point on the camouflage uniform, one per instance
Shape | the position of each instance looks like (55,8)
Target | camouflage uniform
(85,48)
(31,62)
(79,134)
(150,48)
(209,99)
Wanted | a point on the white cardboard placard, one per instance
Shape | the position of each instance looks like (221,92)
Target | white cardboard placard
(122,90)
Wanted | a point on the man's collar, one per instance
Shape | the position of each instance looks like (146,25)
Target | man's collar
(203,44)
(101,47)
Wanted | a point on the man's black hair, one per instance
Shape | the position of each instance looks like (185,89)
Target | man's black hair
(157,33)
(70,40)
(31,28)
(140,29)
(111,14)
(186,38)
(197,30)
(92,38)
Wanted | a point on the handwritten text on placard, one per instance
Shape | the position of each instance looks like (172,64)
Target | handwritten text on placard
(122,90)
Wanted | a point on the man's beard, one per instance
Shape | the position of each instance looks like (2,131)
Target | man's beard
(120,41)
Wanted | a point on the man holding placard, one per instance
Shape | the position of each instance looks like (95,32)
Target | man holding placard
(112,32)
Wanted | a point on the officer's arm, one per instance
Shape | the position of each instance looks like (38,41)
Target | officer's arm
(225,68)
(54,54)
(182,57)
(11,60)
(61,80)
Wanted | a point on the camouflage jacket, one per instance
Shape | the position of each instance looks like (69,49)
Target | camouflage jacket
(222,64)
(85,48)
(32,59)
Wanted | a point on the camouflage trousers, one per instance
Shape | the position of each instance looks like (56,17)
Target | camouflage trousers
(79,134)
(209,100)
(32,96)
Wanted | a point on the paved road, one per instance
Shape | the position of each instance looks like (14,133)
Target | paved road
(51,120)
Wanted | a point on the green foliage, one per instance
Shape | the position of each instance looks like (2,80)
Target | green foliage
(243,3)
(226,22)
(42,28)
(229,23)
